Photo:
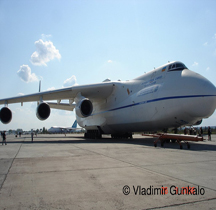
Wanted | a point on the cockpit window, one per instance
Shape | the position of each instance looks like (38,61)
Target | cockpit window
(176,67)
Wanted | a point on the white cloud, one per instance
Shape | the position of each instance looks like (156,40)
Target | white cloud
(208,68)
(70,81)
(195,63)
(45,36)
(20,94)
(205,44)
(52,88)
(45,52)
(25,74)
(109,61)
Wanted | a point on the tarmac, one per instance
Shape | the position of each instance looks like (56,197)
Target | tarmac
(70,172)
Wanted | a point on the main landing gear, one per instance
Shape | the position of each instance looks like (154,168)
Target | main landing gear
(96,134)
(93,134)
(122,136)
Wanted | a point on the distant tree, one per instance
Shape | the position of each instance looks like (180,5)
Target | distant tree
(44,131)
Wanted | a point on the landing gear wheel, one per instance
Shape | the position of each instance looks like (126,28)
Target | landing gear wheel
(155,144)
(181,147)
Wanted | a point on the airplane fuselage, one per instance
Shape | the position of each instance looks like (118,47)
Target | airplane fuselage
(169,96)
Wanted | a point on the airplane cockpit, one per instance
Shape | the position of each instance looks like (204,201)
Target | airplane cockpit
(177,66)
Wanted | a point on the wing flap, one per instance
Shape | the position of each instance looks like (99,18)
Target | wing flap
(62,106)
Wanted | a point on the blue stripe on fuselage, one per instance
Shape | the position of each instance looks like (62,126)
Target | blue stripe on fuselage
(153,100)
(160,99)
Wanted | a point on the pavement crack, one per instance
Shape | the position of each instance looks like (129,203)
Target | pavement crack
(10,166)
(82,169)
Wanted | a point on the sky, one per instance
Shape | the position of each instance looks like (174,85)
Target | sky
(63,43)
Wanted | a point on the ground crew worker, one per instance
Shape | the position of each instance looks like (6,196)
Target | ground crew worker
(209,133)
(4,138)
(32,135)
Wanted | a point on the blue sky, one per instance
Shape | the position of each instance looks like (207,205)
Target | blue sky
(67,42)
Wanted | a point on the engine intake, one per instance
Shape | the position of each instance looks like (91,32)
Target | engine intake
(43,111)
(84,108)
(5,115)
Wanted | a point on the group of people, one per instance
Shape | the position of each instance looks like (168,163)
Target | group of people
(192,131)
(3,135)
(209,132)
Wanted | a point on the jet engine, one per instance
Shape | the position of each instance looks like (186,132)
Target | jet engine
(5,115)
(84,108)
(43,111)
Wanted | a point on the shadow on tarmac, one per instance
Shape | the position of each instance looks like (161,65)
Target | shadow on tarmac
(194,146)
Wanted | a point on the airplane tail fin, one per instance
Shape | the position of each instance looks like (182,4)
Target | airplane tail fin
(74,124)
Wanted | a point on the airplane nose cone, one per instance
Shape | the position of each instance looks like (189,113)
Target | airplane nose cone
(202,93)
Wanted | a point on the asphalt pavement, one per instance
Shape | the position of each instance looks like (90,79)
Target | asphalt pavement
(70,172)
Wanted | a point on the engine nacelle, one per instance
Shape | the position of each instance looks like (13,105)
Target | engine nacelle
(5,115)
(84,108)
(43,111)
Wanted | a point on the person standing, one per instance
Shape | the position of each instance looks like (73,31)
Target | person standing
(201,131)
(209,133)
(32,136)
(4,138)
(185,131)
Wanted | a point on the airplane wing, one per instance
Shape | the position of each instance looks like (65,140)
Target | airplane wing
(93,91)
(82,94)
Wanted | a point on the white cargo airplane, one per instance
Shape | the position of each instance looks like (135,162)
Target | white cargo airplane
(169,96)
(62,129)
